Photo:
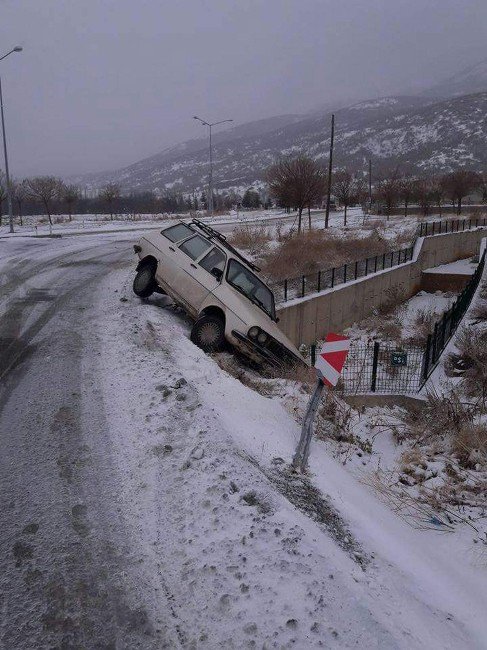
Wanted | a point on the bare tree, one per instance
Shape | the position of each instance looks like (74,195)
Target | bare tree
(70,197)
(297,182)
(483,185)
(110,194)
(460,184)
(437,193)
(344,189)
(423,195)
(406,188)
(45,189)
(19,193)
(387,191)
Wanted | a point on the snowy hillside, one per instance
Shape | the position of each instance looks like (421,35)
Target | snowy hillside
(470,80)
(414,132)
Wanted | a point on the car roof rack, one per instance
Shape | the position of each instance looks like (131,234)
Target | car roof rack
(211,232)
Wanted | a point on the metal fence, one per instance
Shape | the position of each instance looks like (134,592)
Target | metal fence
(383,368)
(429,228)
(386,367)
(447,325)
(303,285)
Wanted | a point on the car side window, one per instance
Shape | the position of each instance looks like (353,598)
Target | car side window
(215,259)
(195,247)
(178,232)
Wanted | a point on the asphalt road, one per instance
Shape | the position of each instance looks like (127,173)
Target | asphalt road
(68,574)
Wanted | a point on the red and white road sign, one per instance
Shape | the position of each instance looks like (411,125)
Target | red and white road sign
(329,363)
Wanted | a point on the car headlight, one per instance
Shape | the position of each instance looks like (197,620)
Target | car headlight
(262,337)
(254,332)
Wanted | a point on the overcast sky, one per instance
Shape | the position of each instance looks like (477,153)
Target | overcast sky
(104,83)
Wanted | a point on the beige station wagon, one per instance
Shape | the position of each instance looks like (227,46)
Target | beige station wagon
(197,267)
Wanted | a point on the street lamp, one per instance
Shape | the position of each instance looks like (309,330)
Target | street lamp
(210,198)
(17,48)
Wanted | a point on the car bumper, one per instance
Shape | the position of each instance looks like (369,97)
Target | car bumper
(259,353)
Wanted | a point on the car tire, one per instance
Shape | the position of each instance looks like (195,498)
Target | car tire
(144,282)
(208,333)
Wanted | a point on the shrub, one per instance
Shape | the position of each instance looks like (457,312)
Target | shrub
(253,239)
(470,444)
(470,361)
(321,249)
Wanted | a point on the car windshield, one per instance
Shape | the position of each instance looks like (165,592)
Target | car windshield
(178,232)
(249,284)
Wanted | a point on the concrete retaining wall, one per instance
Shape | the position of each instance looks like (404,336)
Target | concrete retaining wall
(305,320)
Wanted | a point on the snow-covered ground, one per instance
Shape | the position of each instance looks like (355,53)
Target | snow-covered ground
(203,448)
(239,552)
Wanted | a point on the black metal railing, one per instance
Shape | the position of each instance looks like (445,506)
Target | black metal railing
(303,285)
(447,325)
(309,283)
(429,228)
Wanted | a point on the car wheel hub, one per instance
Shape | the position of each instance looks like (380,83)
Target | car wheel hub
(209,333)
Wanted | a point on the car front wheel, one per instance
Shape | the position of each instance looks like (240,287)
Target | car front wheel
(208,333)
(144,282)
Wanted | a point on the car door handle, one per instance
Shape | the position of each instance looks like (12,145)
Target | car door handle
(194,266)
(172,249)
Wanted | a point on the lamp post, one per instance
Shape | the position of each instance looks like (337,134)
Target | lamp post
(7,175)
(210,183)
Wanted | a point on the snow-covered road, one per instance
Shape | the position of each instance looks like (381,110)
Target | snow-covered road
(130,513)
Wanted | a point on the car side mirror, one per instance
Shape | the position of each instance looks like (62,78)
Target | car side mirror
(217,273)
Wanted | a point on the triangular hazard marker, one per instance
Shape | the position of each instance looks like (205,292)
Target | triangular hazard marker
(331,359)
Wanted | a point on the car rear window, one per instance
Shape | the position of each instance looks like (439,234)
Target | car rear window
(178,232)
(195,247)
(214,259)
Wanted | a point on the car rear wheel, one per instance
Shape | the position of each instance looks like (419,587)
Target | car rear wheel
(208,333)
(144,282)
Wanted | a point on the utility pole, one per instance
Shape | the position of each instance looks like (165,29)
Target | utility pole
(330,167)
(370,185)
(7,175)
(210,179)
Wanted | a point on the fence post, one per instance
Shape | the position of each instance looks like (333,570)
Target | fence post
(435,342)
(366,266)
(313,354)
(384,261)
(356,269)
(319,281)
(427,353)
(421,229)
(375,363)
(333,277)
(375,265)
(285,290)
(302,286)
(344,273)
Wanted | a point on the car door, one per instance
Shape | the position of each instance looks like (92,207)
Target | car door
(201,270)
(168,269)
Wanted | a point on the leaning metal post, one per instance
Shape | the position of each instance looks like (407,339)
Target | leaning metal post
(301,455)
